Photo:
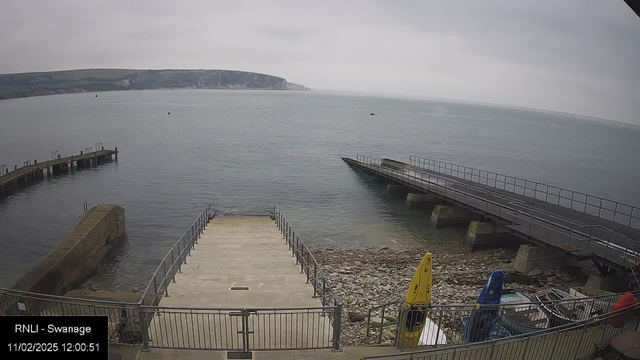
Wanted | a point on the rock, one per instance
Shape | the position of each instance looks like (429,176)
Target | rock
(551,279)
(376,320)
(549,272)
(355,317)
(387,334)
(534,272)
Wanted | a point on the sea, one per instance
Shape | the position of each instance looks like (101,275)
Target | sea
(245,151)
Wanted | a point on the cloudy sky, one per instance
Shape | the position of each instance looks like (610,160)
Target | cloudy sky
(577,56)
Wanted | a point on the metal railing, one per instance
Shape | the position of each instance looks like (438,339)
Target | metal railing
(573,237)
(308,265)
(172,262)
(570,341)
(243,329)
(148,325)
(621,213)
(55,155)
(124,318)
(447,326)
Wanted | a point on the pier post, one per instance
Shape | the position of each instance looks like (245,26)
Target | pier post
(415,200)
(443,216)
(531,257)
(116,153)
(484,235)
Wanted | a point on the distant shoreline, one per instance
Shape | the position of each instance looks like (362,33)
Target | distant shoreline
(23,85)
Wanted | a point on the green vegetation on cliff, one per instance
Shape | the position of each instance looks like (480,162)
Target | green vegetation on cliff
(72,81)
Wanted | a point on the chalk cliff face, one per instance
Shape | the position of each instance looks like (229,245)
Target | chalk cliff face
(61,82)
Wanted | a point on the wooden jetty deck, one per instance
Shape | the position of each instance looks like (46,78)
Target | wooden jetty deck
(577,233)
(30,172)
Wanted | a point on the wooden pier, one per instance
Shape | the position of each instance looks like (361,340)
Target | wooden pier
(30,172)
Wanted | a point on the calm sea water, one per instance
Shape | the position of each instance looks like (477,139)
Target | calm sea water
(243,151)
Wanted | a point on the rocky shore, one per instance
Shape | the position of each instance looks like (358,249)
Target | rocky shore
(366,278)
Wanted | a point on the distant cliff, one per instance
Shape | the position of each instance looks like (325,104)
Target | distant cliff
(74,81)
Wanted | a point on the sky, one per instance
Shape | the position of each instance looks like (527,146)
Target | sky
(575,56)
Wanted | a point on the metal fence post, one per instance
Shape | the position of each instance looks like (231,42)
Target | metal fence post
(173,266)
(337,327)
(144,329)
(438,329)
(315,280)
(324,288)
(584,329)
(164,281)
(554,348)
(524,352)
(308,263)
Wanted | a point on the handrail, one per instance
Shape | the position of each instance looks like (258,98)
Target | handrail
(600,303)
(308,264)
(178,255)
(434,183)
(475,175)
(578,325)
(66,299)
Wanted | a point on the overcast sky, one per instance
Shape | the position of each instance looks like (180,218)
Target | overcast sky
(577,56)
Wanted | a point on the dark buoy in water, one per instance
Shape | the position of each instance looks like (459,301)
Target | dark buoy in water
(372,114)
(96,95)
(272,215)
(169,113)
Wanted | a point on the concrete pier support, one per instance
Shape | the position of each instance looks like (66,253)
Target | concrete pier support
(533,257)
(485,235)
(446,216)
(415,200)
(399,190)
(612,282)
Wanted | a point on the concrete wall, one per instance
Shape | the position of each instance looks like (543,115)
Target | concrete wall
(78,253)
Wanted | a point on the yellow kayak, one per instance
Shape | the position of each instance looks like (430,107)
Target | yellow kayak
(417,299)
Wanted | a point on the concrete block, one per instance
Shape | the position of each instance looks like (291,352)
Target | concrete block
(612,283)
(485,235)
(415,200)
(447,216)
(77,254)
(531,257)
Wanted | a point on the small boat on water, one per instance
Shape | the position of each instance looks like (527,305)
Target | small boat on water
(520,316)
(561,307)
